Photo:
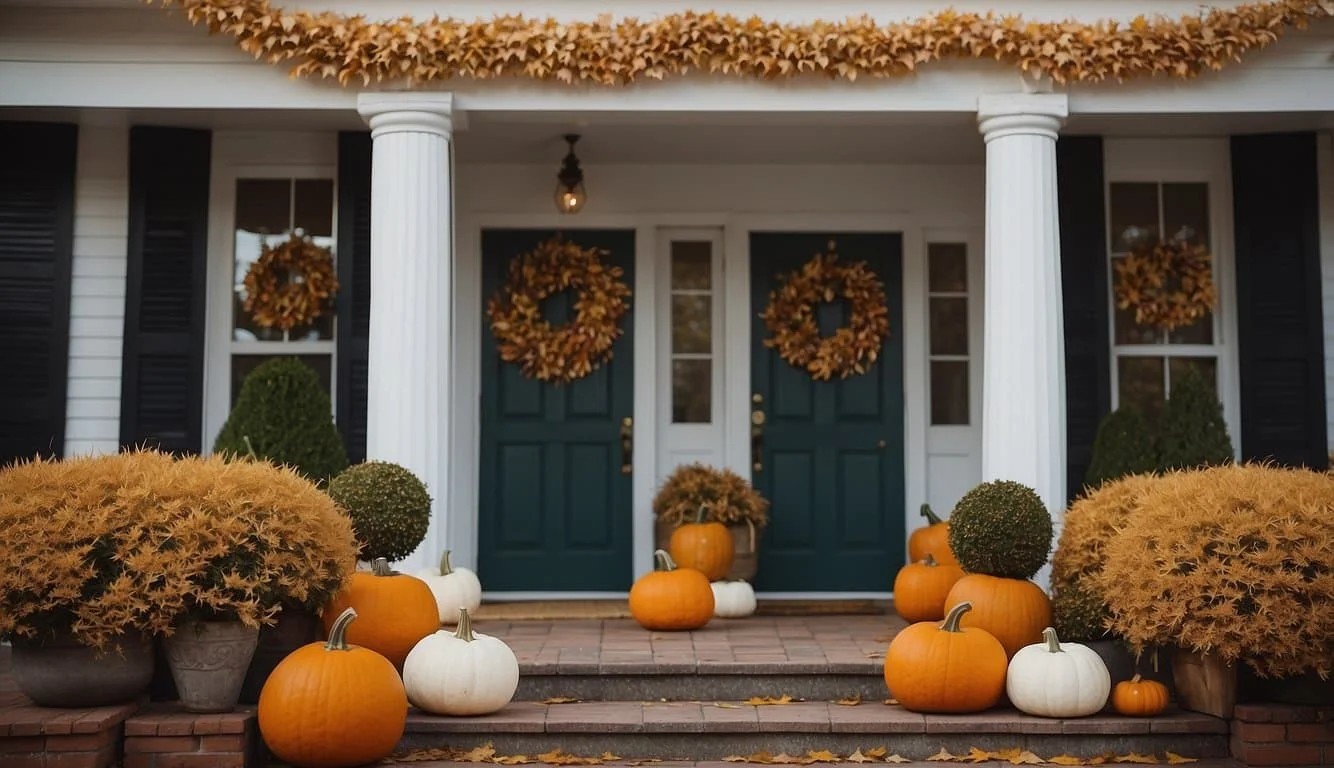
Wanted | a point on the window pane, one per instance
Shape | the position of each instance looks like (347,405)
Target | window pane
(1205,366)
(949,326)
(692,391)
(263,205)
(1134,215)
(947,266)
(244,364)
(949,392)
(691,324)
(247,248)
(1186,212)
(692,265)
(1140,383)
(314,207)
(1199,332)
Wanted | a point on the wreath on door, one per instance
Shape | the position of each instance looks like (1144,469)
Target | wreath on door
(795,334)
(1168,285)
(559,353)
(291,285)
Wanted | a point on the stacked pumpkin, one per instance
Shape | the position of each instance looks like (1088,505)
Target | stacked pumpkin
(705,546)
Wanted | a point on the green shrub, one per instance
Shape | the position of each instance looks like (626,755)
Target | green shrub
(1079,613)
(1124,446)
(1001,528)
(1192,433)
(389,507)
(283,415)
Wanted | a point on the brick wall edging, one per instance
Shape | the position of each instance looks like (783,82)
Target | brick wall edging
(1283,735)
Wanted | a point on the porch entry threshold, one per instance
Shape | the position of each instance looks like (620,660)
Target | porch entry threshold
(550,610)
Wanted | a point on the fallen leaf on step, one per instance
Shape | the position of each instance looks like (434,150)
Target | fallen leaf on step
(1175,759)
(725,705)
(1066,760)
(648,760)
(1101,759)
(734,759)
(560,700)
(858,757)
(891,702)
(559,757)
(897,759)
(943,756)
(756,757)
(1135,757)
(978,755)
(1026,758)
(609,757)
(785,758)
(482,754)
(875,654)
(1006,754)
(876,752)
(512,760)
(763,700)
(823,756)
(420,755)
(850,701)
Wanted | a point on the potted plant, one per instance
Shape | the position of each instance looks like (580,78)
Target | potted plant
(725,497)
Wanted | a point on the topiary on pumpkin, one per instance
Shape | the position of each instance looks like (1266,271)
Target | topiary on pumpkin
(389,507)
(1001,528)
(1192,432)
(1124,446)
(283,414)
(1079,613)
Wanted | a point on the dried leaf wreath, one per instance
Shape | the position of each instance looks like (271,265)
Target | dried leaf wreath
(790,317)
(563,353)
(291,284)
(1169,285)
(608,52)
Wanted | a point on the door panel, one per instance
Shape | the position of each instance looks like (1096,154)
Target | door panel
(832,451)
(554,509)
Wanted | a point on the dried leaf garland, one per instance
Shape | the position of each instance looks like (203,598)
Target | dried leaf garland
(1169,285)
(291,284)
(790,317)
(564,353)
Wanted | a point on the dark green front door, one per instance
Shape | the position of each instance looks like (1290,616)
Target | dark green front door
(554,509)
(831,452)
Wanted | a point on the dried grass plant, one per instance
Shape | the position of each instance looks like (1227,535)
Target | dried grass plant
(140,541)
(1234,561)
(728,497)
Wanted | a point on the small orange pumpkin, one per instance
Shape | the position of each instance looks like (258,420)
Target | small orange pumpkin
(706,547)
(920,589)
(671,598)
(398,610)
(933,539)
(1139,698)
(1014,611)
(332,705)
(946,667)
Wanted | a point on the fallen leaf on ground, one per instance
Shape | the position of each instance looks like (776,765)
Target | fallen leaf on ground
(763,700)
(1175,759)
(897,759)
(1100,759)
(783,757)
(725,705)
(646,761)
(734,759)
(1026,758)
(1066,760)
(858,757)
(559,757)
(850,701)
(1006,754)
(891,702)
(823,756)
(609,756)
(1135,757)
(513,760)
(560,700)
(876,752)
(420,755)
(480,754)
(875,654)
(943,756)
(978,755)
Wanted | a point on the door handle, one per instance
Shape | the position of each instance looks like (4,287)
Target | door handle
(627,445)
(757,438)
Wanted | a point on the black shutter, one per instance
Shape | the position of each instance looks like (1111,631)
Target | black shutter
(162,379)
(1082,213)
(37,166)
(1275,196)
(353,311)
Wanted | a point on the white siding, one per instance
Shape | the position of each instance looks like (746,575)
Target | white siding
(1326,171)
(97,294)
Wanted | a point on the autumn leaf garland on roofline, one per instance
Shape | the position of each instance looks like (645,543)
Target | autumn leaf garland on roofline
(615,52)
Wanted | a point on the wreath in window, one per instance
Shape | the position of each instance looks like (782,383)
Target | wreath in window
(559,353)
(790,317)
(291,285)
(1169,285)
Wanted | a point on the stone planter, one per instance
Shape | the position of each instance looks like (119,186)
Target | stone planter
(208,661)
(297,626)
(63,673)
(745,541)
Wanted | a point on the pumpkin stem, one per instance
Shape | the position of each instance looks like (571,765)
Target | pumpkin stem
(338,634)
(699,516)
(464,629)
(445,567)
(931,517)
(1135,680)
(1053,642)
(951,622)
(930,560)
(663,561)
(380,567)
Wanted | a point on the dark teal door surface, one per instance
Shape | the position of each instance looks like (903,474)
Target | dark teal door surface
(831,452)
(554,509)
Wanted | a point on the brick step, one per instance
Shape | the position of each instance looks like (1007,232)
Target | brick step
(1207,763)
(713,730)
(712,682)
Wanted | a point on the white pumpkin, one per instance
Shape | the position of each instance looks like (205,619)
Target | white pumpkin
(1052,679)
(732,599)
(454,588)
(460,672)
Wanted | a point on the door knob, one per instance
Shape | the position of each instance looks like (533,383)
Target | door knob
(627,445)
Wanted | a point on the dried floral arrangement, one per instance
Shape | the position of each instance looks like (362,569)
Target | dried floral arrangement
(614,52)
(728,497)
(1169,285)
(140,541)
(1234,561)
(291,284)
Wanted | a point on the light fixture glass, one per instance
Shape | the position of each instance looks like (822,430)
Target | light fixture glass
(570,192)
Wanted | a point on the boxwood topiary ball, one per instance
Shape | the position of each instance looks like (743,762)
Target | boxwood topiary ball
(389,507)
(1001,528)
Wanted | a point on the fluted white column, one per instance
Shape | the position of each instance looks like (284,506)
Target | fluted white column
(411,266)
(1023,380)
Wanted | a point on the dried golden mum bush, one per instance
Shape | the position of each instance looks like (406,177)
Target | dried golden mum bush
(729,498)
(1234,561)
(139,541)
(1090,523)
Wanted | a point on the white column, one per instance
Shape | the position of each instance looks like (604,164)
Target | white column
(411,266)
(1023,380)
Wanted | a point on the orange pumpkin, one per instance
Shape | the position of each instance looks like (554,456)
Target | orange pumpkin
(1139,698)
(933,539)
(397,610)
(331,705)
(706,547)
(1014,611)
(945,667)
(920,589)
(671,598)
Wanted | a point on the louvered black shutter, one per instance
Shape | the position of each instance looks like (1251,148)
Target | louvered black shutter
(353,312)
(37,167)
(162,379)
(1080,191)
(1275,196)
